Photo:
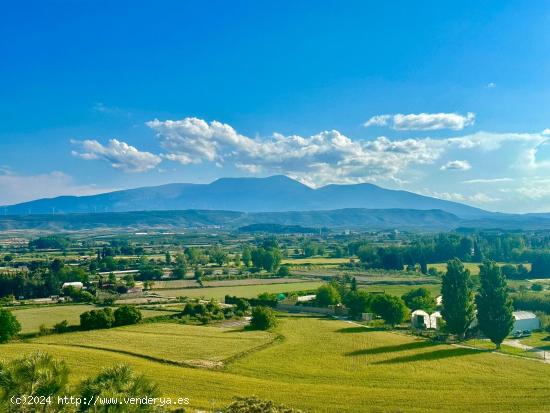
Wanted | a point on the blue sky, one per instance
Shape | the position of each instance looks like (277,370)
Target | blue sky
(449,99)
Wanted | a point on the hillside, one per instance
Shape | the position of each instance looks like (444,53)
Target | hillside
(273,194)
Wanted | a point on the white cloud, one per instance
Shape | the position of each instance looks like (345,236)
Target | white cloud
(456,166)
(119,154)
(491,85)
(15,188)
(378,120)
(326,157)
(423,121)
(487,180)
(546,132)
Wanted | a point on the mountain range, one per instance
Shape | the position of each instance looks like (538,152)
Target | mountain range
(236,202)
(273,194)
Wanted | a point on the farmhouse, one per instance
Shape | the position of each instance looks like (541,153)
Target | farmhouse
(525,321)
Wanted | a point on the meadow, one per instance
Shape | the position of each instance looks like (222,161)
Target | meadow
(320,365)
(32,318)
(472,266)
(247,291)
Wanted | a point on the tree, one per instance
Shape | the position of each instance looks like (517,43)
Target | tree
(263,318)
(168,258)
(119,382)
(358,302)
(458,299)
(9,326)
(95,319)
(126,315)
(246,256)
(353,286)
(327,295)
(34,375)
(218,255)
(284,271)
(199,273)
(392,309)
(419,299)
(494,306)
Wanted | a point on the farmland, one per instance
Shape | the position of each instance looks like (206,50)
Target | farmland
(248,291)
(320,365)
(33,317)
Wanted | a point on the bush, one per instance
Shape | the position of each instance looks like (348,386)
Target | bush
(96,319)
(327,295)
(9,326)
(126,315)
(392,309)
(263,318)
(537,287)
(61,327)
(256,405)
(284,271)
(419,299)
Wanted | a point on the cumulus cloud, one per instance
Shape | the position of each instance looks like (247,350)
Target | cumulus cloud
(456,166)
(119,154)
(546,132)
(15,188)
(423,121)
(328,156)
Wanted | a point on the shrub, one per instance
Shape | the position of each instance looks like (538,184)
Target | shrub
(61,327)
(126,315)
(256,405)
(327,295)
(392,309)
(263,318)
(9,326)
(537,287)
(96,319)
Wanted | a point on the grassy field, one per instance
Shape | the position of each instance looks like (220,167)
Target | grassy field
(327,366)
(540,340)
(32,318)
(315,261)
(472,266)
(248,291)
(179,284)
(400,289)
(175,343)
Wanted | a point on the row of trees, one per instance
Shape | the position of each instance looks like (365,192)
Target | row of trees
(494,306)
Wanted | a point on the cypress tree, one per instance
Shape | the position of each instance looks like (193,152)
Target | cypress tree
(494,306)
(458,298)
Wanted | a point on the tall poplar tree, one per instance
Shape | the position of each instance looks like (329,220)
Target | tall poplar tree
(458,298)
(494,306)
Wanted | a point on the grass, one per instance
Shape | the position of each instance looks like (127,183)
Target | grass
(315,261)
(400,289)
(172,343)
(326,366)
(539,340)
(247,291)
(472,266)
(505,349)
(33,317)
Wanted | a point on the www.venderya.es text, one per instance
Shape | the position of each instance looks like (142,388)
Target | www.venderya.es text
(99,401)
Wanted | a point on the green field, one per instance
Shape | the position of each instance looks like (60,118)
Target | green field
(400,289)
(247,291)
(320,365)
(472,266)
(175,343)
(316,261)
(32,318)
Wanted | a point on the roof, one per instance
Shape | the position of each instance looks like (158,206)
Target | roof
(305,298)
(419,312)
(524,315)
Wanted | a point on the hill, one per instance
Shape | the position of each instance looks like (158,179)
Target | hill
(272,194)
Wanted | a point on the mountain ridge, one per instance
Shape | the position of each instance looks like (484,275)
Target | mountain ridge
(276,193)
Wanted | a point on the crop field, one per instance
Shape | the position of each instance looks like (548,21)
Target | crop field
(472,266)
(400,289)
(168,342)
(316,261)
(32,318)
(175,284)
(320,365)
(247,291)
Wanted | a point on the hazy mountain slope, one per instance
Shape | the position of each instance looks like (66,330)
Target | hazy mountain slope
(273,194)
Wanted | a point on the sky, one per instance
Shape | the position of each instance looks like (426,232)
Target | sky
(447,99)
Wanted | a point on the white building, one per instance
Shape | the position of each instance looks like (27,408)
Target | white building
(421,319)
(75,284)
(525,321)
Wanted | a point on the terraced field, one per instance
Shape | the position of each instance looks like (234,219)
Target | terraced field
(320,365)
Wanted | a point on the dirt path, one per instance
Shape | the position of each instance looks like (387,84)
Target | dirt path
(543,355)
